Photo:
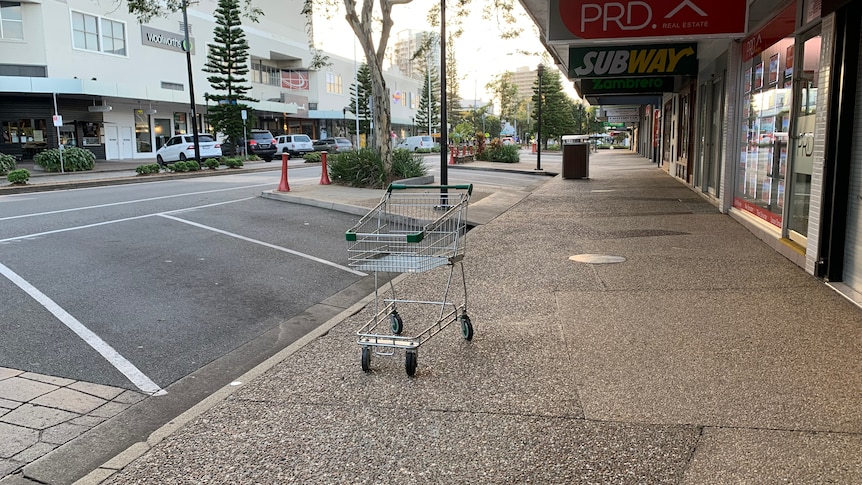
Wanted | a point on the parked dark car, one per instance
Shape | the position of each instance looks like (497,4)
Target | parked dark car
(333,145)
(262,144)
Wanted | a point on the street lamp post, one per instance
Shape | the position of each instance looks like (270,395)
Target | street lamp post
(412,126)
(187,46)
(541,71)
(344,121)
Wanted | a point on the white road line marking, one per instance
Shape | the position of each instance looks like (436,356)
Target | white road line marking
(67,229)
(262,243)
(128,369)
(132,202)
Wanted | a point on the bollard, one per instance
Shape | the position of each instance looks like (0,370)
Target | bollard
(283,186)
(324,172)
(451,155)
(534,147)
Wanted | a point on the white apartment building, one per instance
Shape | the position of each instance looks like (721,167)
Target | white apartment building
(121,88)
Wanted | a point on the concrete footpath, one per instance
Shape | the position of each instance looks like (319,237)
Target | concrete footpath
(625,332)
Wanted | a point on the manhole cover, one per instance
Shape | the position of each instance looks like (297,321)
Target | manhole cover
(596,258)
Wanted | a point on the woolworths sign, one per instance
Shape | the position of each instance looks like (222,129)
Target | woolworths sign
(632,85)
(165,40)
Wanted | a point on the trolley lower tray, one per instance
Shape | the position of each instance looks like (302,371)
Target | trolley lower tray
(401,263)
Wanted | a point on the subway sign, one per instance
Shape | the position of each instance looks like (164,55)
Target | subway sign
(633,60)
(634,85)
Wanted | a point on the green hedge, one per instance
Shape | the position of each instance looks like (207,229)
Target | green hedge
(74,160)
(18,177)
(7,163)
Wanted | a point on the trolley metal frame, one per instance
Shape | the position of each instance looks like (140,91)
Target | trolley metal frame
(414,228)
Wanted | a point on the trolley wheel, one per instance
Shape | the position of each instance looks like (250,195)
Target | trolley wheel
(466,327)
(396,323)
(366,359)
(410,363)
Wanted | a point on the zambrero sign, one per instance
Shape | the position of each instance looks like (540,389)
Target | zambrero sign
(574,20)
(633,61)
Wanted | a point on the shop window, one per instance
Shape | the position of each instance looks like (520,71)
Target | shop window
(91,133)
(765,119)
(11,21)
(68,137)
(143,143)
(29,134)
(180,125)
(98,34)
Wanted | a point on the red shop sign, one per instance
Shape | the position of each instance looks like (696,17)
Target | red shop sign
(656,125)
(778,28)
(616,19)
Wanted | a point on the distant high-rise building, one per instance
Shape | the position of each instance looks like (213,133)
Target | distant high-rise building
(407,43)
(524,78)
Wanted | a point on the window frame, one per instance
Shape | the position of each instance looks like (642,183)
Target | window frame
(100,34)
(18,20)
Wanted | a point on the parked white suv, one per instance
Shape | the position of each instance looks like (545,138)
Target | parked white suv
(182,147)
(293,145)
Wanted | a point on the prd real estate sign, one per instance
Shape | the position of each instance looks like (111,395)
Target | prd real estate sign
(571,21)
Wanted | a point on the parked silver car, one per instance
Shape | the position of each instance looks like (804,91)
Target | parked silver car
(333,145)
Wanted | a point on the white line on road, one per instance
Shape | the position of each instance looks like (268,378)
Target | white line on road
(132,202)
(128,369)
(273,246)
(67,229)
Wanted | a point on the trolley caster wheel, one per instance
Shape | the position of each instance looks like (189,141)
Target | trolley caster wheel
(396,323)
(366,359)
(410,363)
(466,327)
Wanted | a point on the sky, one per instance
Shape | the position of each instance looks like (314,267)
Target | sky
(480,53)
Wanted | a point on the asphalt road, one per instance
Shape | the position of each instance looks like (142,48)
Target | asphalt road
(170,275)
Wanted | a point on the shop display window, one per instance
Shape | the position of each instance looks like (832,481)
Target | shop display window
(765,119)
(90,133)
(143,140)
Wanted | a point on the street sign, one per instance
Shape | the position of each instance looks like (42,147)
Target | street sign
(244,114)
(623,119)
(572,21)
(58,120)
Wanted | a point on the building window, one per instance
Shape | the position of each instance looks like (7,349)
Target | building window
(263,74)
(173,86)
(333,83)
(113,37)
(11,21)
(98,34)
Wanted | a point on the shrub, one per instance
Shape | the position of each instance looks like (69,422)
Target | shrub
(74,159)
(178,167)
(233,162)
(361,168)
(503,153)
(406,164)
(193,165)
(7,163)
(212,163)
(148,169)
(18,177)
(312,157)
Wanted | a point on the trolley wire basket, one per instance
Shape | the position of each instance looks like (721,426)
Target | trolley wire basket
(412,230)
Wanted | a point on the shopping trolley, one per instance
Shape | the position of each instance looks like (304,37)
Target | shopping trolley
(412,230)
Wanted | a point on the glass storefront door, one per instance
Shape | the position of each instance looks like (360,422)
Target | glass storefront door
(802,139)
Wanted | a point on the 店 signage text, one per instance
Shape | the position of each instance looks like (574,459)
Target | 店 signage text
(572,20)
(629,61)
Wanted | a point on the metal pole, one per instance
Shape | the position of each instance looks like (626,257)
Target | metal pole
(444,139)
(541,70)
(356,80)
(59,143)
(187,46)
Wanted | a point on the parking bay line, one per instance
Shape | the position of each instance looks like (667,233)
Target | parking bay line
(266,244)
(135,376)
